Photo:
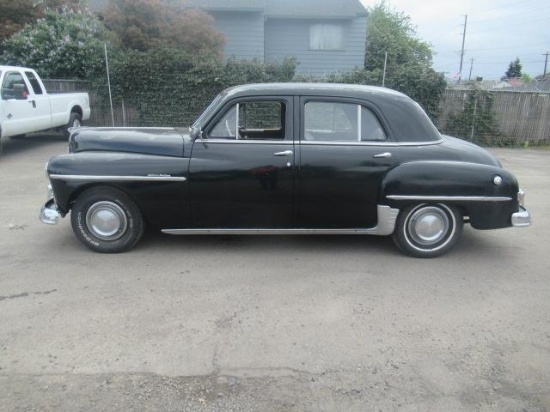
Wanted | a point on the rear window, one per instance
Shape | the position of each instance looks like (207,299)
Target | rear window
(34,83)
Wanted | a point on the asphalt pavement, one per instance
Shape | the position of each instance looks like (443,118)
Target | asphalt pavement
(269,323)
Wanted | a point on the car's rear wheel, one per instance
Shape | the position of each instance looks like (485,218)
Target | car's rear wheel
(106,220)
(428,230)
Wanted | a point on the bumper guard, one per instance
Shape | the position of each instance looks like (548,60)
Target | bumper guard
(50,213)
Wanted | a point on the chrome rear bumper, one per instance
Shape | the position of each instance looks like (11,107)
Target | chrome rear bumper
(522,218)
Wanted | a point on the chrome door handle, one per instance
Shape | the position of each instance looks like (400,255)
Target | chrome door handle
(285,153)
(382,155)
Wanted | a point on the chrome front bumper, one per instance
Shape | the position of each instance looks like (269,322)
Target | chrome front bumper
(522,218)
(50,213)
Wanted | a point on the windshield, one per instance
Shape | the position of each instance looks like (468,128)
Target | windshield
(207,113)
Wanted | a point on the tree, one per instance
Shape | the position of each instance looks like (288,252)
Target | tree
(15,14)
(409,59)
(144,24)
(392,32)
(514,70)
(63,44)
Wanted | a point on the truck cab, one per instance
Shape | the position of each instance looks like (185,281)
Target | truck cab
(26,106)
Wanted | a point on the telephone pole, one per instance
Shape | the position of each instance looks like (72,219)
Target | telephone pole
(545,63)
(462,51)
(471,67)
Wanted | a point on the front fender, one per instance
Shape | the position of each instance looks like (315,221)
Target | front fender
(470,186)
(158,184)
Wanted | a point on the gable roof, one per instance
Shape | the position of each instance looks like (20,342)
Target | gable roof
(303,9)
(227,5)
(295,9)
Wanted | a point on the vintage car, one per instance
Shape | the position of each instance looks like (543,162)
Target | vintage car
(285,159)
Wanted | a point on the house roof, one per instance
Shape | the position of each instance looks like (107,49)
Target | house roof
(227,5)
(302,9)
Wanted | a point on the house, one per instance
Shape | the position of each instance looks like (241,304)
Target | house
(323,35)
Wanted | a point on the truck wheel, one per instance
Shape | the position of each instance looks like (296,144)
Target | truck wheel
(74,121)
(428,230)
(106,220)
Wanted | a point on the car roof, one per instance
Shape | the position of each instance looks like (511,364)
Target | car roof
(324,89)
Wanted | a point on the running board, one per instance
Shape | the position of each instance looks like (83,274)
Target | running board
(386,225)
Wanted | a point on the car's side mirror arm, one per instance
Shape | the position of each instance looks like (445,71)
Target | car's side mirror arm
(196,133)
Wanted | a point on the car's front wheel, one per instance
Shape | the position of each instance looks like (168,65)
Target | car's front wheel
(106,220)
(428,230)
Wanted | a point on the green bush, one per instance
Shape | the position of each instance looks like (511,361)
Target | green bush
(171,87)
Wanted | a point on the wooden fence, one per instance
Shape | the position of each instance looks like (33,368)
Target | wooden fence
(520,117)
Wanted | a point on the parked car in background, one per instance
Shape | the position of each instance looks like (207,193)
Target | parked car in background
(285,159)
(26,106)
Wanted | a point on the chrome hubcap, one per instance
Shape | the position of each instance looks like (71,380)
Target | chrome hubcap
(428,225)
(106,220)
(76,123)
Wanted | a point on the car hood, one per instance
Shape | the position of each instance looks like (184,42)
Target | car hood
(463,151)
(144,140)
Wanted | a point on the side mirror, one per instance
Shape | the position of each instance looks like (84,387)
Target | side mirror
(195,133)
(20,91)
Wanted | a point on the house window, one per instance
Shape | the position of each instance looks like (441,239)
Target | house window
(326,37)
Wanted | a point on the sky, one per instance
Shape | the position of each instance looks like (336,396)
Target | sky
(497,32)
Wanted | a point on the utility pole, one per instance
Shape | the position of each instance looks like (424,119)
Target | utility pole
(385,65)
(462,51)
(545,63)
(471,67)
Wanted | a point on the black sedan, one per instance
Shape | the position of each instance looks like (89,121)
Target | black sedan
(285,159)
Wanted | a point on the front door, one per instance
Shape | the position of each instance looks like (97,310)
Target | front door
(344,152)
(26,105)
(241,174)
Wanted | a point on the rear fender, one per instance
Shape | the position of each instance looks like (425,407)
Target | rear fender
(469,186)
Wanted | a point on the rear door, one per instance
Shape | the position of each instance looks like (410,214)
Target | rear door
(241,174)
(344,152)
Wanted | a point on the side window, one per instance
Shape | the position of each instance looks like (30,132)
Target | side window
(371,130)
(14,87)
(340,122)
(226,128)
(332,122)
(258,120)
(34,83)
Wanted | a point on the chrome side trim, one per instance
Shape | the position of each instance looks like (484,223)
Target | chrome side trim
(87,178)
(451,198)
(319,143)
(367,143)
(386,225)
(522,218)
(245,141)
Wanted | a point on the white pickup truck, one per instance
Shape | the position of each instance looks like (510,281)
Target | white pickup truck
(26,107)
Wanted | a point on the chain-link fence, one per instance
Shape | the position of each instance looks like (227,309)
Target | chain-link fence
(489,118)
